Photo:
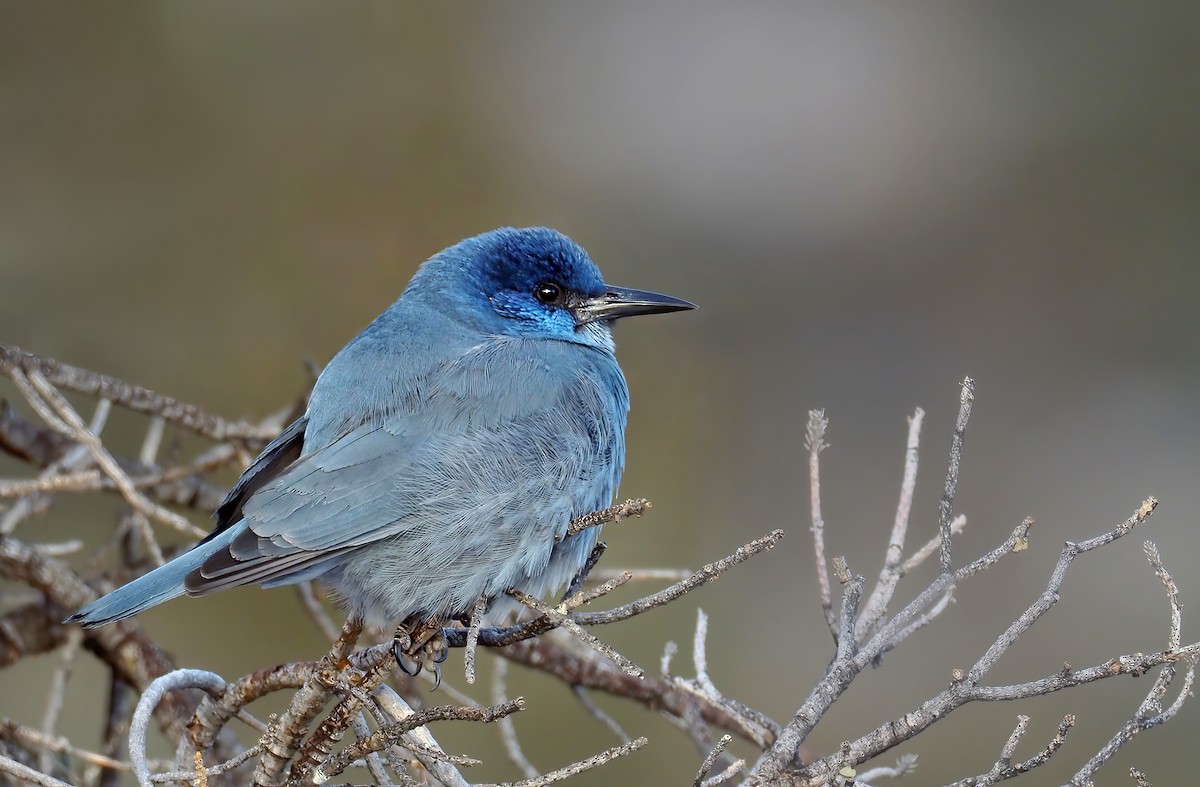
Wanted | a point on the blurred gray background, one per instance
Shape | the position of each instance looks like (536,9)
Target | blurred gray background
(868,201)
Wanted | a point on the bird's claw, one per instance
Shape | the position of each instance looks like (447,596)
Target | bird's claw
(436,648)
(407,664)
(414,654)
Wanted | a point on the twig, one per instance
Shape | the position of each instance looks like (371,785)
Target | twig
(905,764)
(703,688)
(629,508)
(27,774)
(1009,749)
(736,767)
(578,668)
(957,525)
(711,759)
(419,741)
(508,730)
(124,647)
(708,573)
(1004,767)
(598,713)
(180,485)
(1150,712)
(876,606)
(473,637)
(153,694)
(499,637)
(921,622)
(307,702)
(74,427)
(700,656)
(641,574)
(814,443)
(312,605)
(946,507)
(847,644)
(64,464)
(121,702)
(57,744)
(564,621)
(373,760)
(594,761)
(231,764)
(129,396)
(669,651)
(395,733)
(582,597)
(1140,779)
(58,690)
(152,440)
(967,687)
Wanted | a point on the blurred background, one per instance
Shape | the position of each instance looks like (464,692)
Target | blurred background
(868,202)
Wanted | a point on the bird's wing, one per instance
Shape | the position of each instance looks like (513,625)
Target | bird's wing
(500,449)
(279,454)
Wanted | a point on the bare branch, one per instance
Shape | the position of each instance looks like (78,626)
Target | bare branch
(473,637)
(56,744)
(201,772)
(629,508)
(946,508)
(58,690)
(499,637)
(77,430)
(934,544)
(565,621)
(153,694)
(876,606)
(316,613)
(1150,712)
(847,646)
(967,687)
(395,734)
(583,765)
(133,397)
(814,443)
(305,705)
(711,759)
(508,731)
(419,740)
(27,774)
(598,713)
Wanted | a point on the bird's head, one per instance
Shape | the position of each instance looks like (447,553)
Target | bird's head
(536,282)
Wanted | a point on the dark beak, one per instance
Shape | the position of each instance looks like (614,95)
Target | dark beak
(623,302)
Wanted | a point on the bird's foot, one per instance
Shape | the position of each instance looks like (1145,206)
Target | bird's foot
(425,647)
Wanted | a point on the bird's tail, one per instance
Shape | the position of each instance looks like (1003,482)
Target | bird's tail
(162,584)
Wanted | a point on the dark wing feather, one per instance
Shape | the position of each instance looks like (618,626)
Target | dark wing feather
(280,454)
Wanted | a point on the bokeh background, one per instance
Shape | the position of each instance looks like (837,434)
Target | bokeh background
(868,201)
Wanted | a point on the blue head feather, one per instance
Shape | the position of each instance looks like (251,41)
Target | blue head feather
(490,280)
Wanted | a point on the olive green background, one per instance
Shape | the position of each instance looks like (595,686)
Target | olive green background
(869,201)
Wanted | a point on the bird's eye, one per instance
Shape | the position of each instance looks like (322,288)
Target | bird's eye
(548,293)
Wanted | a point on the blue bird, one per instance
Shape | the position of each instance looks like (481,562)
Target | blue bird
(444,450)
